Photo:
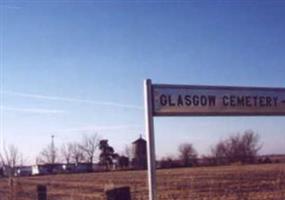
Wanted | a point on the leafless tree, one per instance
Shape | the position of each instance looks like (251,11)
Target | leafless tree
(220,152)
(76,153)
(89,145)
(49,155)
(237,148)
(10,159)
(66,152)
(187,154)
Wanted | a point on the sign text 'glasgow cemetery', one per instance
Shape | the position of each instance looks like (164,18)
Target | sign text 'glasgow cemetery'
(175,100)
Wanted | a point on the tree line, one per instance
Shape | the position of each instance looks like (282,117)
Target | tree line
(241,148)
(82,151)
(71,152)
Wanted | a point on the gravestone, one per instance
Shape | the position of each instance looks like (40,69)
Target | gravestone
(122,193)
(42,192)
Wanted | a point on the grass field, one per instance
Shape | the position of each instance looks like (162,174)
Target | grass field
(257,182)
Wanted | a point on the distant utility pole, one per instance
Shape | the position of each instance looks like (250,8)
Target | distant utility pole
(52,140)
(52,150)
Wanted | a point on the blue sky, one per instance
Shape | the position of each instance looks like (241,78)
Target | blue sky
(69,68)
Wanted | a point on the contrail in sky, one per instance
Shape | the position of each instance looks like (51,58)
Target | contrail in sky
(8,7)
(101,128)
(31,110)
(74,100)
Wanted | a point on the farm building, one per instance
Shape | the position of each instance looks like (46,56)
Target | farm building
(58,168)
(23,171)
(47,169)
(69,167)
(83,167)
(139,154)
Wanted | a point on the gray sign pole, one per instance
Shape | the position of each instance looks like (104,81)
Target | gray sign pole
(150,139)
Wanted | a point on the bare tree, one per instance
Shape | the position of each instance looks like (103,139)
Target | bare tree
(237,148)
(66,152)
(250,145)
(48,155)
(187,154)
(10,159)
(76,152)
(220,152)
(89,145)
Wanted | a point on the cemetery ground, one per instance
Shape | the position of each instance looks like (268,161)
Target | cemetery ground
(235,182)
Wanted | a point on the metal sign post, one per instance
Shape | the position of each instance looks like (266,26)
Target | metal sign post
(151,164)
(189,100)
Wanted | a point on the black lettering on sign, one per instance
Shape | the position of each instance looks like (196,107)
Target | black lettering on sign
(196,100)
(232,100)
(262,101)
(248,103)
(268,102)
(255,101)
(212,100)
(240,101)
(188,100)
(275,100)
(203,100)
(163,100)
(226,101)
(180,101)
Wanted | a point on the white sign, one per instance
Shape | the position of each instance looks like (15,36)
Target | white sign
(175,100)
(185,100)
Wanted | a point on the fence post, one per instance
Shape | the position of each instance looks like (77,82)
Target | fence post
(42,192)
(122,193)
(11,188)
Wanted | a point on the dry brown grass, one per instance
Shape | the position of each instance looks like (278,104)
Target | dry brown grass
(252,182)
